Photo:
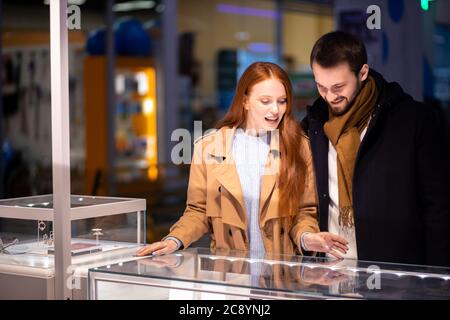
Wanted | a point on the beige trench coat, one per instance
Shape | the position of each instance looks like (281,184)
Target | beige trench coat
(215,201)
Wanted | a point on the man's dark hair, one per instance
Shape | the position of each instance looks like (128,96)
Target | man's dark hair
(336,47)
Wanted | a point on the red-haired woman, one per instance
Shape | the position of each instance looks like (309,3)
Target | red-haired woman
(252,182)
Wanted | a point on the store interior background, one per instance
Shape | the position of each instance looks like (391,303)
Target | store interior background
(176,62)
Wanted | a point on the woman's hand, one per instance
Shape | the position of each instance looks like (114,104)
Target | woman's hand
(158,248)
(326,242)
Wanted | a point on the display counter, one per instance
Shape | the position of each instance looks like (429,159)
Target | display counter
(200,273)
(104,230)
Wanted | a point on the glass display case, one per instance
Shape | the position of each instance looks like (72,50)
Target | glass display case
(204,274)
(101,228)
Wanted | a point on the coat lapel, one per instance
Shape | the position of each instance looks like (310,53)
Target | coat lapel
(226,173)
(269,180)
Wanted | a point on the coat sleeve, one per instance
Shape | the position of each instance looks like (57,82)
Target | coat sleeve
(307,218)
(194,223)
(433,186)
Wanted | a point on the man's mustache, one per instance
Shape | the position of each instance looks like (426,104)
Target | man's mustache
(338,100)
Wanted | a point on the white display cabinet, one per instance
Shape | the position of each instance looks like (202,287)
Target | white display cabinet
(103,229)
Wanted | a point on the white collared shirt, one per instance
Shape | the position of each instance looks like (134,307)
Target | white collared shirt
(333,207)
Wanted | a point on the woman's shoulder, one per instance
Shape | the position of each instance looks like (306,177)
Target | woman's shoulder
(209,136)
(215,136)
(214,142)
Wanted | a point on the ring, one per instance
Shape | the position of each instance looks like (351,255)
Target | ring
(41,225)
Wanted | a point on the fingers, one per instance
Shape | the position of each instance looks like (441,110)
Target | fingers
(150,248)
(169,247)
(323,276)
(328,243)
(143,251)
(336,242)
(338,239)
(334,277)
(339,250)
(338,246)
(166,250)
(335,254)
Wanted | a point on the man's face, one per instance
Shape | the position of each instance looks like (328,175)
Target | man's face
(338,85)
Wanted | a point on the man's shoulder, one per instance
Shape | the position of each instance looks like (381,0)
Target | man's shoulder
(411,114)
(413,109)
(395,98)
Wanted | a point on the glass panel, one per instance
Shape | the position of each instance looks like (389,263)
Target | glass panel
(46,202)
(293,274)
(110,232)
(22,241)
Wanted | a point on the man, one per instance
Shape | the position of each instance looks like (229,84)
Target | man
(381,166)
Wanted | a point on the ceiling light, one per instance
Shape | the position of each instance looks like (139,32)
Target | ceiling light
(133,5)
(76,2)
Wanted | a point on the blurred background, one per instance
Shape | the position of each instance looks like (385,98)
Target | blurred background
(141,69)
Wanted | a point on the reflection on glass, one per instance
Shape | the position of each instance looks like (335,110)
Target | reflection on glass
(293,276)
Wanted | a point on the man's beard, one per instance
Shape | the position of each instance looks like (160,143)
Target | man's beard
(343,110)
(349,102)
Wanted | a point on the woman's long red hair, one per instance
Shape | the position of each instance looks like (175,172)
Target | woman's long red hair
(292,164)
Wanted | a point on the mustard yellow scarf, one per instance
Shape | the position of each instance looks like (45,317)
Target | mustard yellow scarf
(344,133)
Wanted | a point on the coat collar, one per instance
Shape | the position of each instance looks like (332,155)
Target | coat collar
(223,139)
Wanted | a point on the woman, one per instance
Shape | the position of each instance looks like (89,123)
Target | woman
(251,182)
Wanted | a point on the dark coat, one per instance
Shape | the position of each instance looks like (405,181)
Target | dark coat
(401,180)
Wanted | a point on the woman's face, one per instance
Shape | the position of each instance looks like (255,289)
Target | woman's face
(265,104)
